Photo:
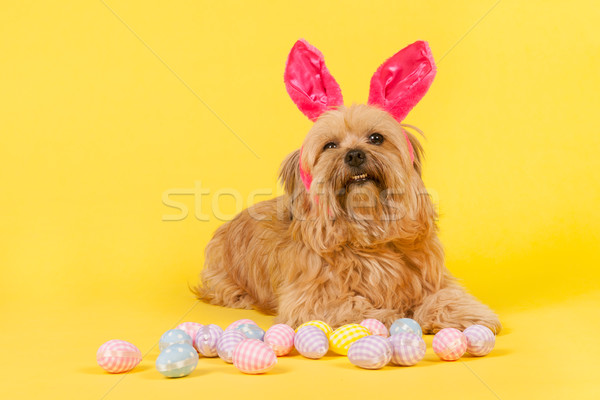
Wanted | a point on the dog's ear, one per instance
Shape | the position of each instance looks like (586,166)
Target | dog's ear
(402,81)
(308,81)
(289,173)
(417,150)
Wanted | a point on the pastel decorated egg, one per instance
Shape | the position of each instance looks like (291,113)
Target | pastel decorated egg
(206,340)
(227,344)
(177,360)
(449,344)
(253,356)
(341,339)
(252,331)
(407,348)
(375,327)
(191,328)
(280,338)
(173,336)
(311,342)
(117,356)
(239,322)
(406,325)
(371,352)
(319,324)
(480,340)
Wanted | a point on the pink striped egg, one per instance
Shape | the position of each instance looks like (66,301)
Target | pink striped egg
(280,338)
(480,340)
(311,342)
(227,344)
(375,327)
(408,348)
(370,352)
(206,340)
(239,322)
(117,356)
(449,344)
(191,328)
(253,356)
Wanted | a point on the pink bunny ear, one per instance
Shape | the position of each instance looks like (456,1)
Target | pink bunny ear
(308,81)
(402,81)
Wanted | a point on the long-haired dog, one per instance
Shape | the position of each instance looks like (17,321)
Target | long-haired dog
(354,236)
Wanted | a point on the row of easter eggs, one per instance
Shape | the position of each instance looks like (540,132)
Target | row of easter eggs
(407,348)
(253,351)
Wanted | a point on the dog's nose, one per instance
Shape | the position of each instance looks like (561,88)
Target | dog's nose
(354,158)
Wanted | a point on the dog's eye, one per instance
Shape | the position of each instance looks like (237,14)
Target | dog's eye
(330,145)
(375,138)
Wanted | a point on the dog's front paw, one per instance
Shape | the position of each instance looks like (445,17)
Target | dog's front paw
(461,323)
(491,322)
(453,308)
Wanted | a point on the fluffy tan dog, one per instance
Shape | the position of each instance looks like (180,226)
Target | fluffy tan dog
(353,237)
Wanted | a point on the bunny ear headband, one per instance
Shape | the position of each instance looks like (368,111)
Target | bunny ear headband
(396,87)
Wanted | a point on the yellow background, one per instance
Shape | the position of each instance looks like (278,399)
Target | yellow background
(104,107)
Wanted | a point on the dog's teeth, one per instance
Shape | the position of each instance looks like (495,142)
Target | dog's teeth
(357,177)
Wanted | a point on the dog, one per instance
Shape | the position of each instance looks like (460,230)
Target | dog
(354,236)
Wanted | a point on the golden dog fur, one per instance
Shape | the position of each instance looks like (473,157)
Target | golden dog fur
(344,251)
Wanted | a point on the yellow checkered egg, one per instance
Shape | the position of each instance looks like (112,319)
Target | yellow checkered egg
(319,324)
(341,339)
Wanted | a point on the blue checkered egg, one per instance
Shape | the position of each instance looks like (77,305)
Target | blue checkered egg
(371,352)
(406,325)
(408,348)
(251,331)
(177,360)
(311,342)
(174,336)
(206,340)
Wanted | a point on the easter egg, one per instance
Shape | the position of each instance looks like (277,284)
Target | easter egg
(206,340)
(177,360)
(319,324)
(341,339)
(407,348)
(227,344)
(191,328)
(239,322)
(480,340)
(173,336)
(252,331)
(280,338)
(375,327)
(371,352)
(406,325)
(253,356)
(116,356)
(311,342)
(449,344)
